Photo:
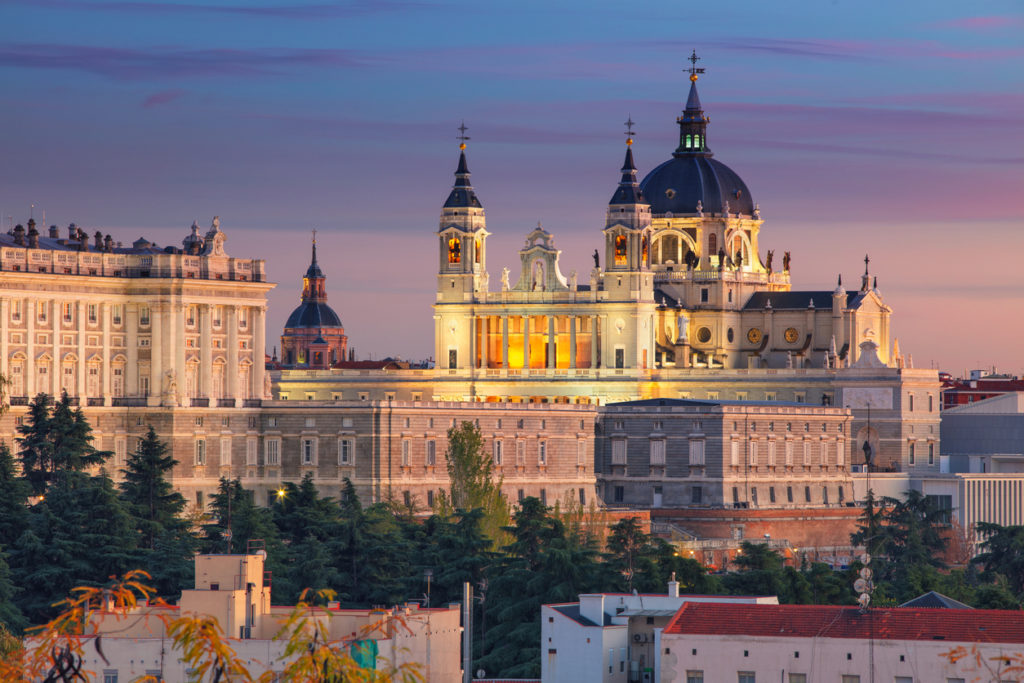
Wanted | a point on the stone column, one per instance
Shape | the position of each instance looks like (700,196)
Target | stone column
(572,340)
(485,324)
(178,352)
(259,352)
(231,315)
(5,314)
(30,347)
(595,342)
(57,366)
(156,367)
(106,369)
(206,351)
(552,360)
(80,380)
(471,365)
(526,342)
(131,339)
(504,341)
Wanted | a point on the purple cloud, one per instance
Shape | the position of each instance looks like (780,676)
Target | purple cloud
(989,23)
(162,97)
(129,64)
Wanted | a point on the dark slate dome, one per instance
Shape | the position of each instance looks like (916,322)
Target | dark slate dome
(312,314)
(678,184)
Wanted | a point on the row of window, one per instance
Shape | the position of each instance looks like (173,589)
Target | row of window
(737,500)
(751,677)
(68,313)
(308,451)
(912,453)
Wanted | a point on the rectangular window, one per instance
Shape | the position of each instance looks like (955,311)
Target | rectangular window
(771,454)
(694,677)
(453,359)
(120,451)
(41,311)
(904,679)
(931,454)
(345,452)
(109,676)
(789,454)
(734,456)
(581,453)
(746,677)
(583,496)
(753,454)
(807,453)
(66,309)
(771,494)
(542,453)
(620,358)
(931,403)
(657,452)
(251,447)
(797,678)
(840,453)
(850,679)
(225,450)
(697,495)
(272,452)
(543,497)
(309,451)
(430,498)
(431,453)
(115,313)
(497,452)
(619,494)
(618,451)
(144,315)
(200,452)
(789,494)
(520,453)
(405,454)
(912,453)
(807,494)
(697,453)
(16,310)
(92,314)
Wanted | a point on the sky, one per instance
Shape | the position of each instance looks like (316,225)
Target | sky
(890,129)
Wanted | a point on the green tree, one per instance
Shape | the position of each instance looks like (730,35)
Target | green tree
(473,482)
(14,493)
(55,438)
(1003,554)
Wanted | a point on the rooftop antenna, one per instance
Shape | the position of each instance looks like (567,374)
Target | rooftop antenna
(31,211)
(462,137)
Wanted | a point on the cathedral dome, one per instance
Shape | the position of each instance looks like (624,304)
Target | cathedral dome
(313,314)
(678,185)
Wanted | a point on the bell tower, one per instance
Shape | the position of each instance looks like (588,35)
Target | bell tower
(627,235)
(462,238)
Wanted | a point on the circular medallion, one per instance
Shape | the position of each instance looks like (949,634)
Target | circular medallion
(792,335)
(704,335)
(754,335)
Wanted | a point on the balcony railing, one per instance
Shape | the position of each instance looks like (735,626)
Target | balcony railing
(200,402)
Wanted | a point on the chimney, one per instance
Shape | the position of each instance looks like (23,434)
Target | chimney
(673,587)
(72,232)
(592,607)
(54,232)
(98,241)
(19,235)
(33,235)
(108,243)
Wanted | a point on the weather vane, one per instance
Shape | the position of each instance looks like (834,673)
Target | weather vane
(462,137)
(694,70)
(629,130)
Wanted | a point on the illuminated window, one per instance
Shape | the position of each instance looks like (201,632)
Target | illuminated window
(454,250)
(620,250)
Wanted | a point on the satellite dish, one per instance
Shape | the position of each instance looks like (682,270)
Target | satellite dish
(864,599)
(480,673)
(865,559)
(860,585)
(865,573)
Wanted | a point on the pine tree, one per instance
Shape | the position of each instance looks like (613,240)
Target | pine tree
(13,496)
(152,501)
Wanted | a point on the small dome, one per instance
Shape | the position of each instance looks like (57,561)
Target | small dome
(313,314)
(678,184)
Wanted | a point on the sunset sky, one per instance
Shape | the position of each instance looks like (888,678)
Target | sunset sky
(894,129)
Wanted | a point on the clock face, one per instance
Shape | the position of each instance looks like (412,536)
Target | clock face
(754,335)
(792,335)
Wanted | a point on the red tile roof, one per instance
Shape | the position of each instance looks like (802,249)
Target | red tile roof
(826,621)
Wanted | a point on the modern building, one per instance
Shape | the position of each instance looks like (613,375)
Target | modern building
(800,643)
(978,386)
(682,302)
(609,637)
(234,589)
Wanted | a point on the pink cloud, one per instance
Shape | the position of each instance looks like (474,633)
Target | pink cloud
(989,23)
(162,97)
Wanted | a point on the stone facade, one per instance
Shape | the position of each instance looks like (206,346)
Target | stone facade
(684,453)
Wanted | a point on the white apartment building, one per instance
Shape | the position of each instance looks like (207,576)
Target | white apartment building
(609,637)
(716,642)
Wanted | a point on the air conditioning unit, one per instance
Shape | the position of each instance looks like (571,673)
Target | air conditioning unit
(639,637)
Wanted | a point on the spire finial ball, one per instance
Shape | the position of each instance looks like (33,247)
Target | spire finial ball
(462,145)
(693,78)
(629,141)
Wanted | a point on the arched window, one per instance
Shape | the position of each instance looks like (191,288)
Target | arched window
(712,244)
(454,250)
(620,250)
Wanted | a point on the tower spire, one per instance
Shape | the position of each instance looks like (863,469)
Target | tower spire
(692,123)
(628,191)
(865,283)
(462,194)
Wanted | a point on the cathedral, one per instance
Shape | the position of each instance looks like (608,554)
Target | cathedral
(682,302)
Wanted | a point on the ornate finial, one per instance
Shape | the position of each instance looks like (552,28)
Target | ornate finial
(629,130)
(866,262)
(462,137)
(694,71)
